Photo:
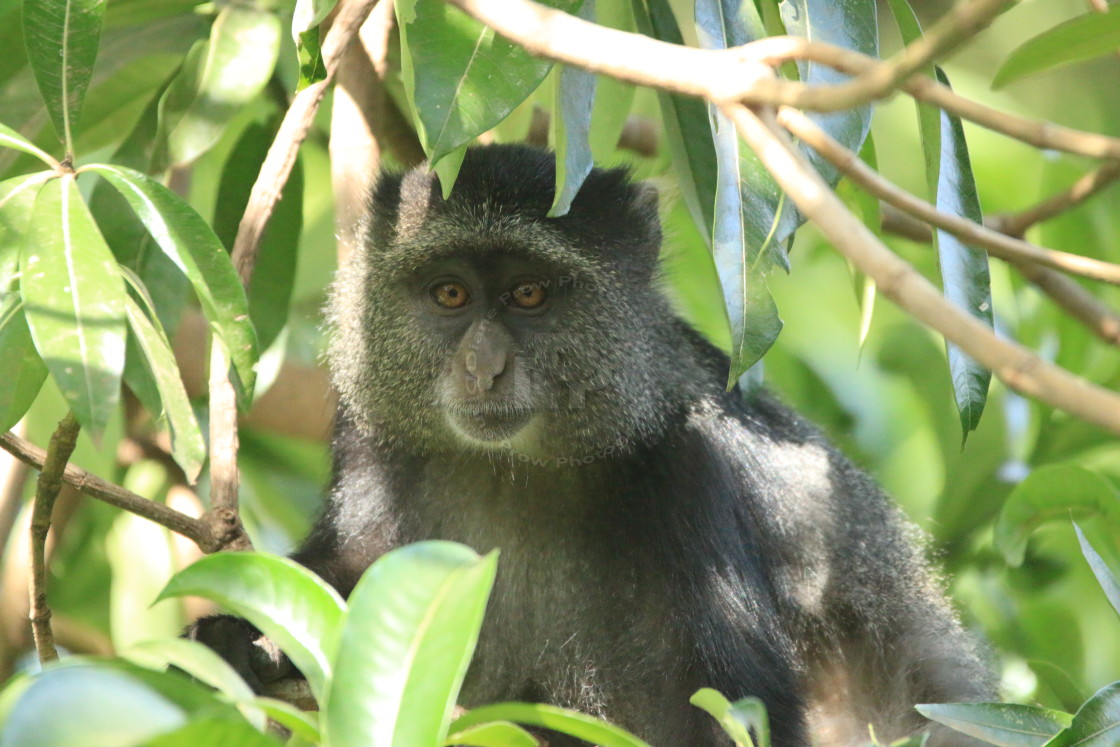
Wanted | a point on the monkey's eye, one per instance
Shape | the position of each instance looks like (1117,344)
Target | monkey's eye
(529,295)
(450,295)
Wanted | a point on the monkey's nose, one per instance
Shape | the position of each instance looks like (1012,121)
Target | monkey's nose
(485,368)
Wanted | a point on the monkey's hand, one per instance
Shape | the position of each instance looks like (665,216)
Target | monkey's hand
(253,655)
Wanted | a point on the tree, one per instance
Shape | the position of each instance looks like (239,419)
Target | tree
(164,200)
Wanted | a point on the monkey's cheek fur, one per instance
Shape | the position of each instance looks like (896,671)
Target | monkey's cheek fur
(490,426)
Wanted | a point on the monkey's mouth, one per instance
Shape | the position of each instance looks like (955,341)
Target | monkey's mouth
(486,422)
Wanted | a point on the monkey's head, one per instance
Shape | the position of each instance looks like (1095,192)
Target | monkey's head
(479,323)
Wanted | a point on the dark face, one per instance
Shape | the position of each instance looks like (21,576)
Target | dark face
(492,314)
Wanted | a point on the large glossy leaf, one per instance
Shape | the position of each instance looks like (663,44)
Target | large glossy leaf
(21,368)
(219,77)
(288,603)
(576,724)
(1105,577)
(737,719)
(571,127)
(1096,724)
(74,302)
(1083,38)
(1006,724)
(405,645)
(103,708)
(187,445)
(194,658)
(1050,493)
(214,731)
(270,290)
(62,38)
(965,277)
(185,237)
(853,25)
(613,98)
(461,78)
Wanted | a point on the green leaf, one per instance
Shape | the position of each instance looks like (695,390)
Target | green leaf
(74,302)
(1052,492)
(104,707)
(288,603)
(9,138)
(575,724)
(736,719)
(571,128)
(309,14)
(270,290)
(187,445)
(1105,577)
(21,368)
(310,55)
(494,734)
(1096,724)
(301,723)
(852,25)
(1083,38)
(62,37)
(461,78)
(189,242)
(213,731)
(1006,724)
(405,645)
(218,79)
(965,277)
(688,133)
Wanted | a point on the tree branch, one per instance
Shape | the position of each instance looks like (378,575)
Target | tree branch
(210,534)
(1081,190)
(47,488)
(997,244)
(1015,365)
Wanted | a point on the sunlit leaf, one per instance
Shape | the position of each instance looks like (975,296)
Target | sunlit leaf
(571,128)
(288,603)
(219,77)
(576,724)
(185,237)
(1006,724)
(62,37)
(1052,492)
(1083,38)
(303,724)
(461,77)
(423,606)
(494,734)
(74,302)
(214,731)
(613,97)
(1096,724)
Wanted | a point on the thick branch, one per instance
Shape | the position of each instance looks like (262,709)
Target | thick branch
(997,244)
(1016,366)
(195,529)
(47,488)
(742,73)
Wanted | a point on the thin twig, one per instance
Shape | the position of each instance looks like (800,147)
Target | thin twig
(996,243)
(200,532)
(1079,303)
(1015,365)
(1081,190)
(47,488)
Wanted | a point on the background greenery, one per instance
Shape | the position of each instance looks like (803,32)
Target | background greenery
(886,398)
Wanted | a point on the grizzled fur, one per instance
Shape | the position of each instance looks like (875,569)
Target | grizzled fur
(658,533)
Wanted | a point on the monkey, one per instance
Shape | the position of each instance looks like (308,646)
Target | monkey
(517,381)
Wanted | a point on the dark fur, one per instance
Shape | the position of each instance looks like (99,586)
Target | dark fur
(658,534)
